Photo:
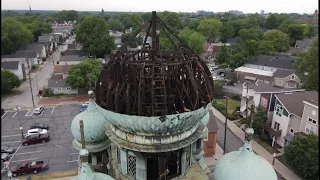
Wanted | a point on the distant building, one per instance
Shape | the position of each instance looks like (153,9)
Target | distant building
(262,12)
(309,20)
(236,12)
(59,86)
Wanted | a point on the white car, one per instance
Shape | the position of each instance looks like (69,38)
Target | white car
(38,110)
(36,131)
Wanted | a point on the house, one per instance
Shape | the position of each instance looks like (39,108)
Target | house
(22,62)
(39,48)
(302,46)
(28,55)
(211,138)
(295,113)
(62,69)
(59,86)
(14,67)
(48,41)
(286,78)
(72,57)
(262,95)
(265,68)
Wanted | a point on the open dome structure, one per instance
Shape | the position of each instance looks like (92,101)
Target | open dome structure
(149,82)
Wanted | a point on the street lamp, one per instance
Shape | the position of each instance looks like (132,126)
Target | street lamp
(225,127)
(21,128)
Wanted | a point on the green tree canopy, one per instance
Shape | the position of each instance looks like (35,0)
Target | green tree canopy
(224,55)
(93,34)
(259,120)
(165,44)
(133,20)
(279,40)
(302,154)
(67,15)
(210,28)
(226,31)
(297,32)
(265,47)
(79,73)
(146,16)
(115,25)
(13,35)
(193,39)
(8,81)
(308,67)
(251,34)
(173,20)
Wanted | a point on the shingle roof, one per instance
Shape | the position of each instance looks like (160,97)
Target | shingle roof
(282,73)
(46,38)
(59,68)
(35,47)
(294,102)
(302,44)
(10,65)
(261,87)
(73,58)
(26,53)
(57,80)
(74,52)
(280,61)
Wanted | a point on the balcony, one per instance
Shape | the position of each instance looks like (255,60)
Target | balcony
(272,131)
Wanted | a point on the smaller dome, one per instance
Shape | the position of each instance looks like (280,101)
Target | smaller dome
(93,124)
(244,164)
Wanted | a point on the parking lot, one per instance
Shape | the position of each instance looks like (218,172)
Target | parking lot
(58,153)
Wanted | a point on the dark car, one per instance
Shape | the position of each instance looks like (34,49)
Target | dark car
(4,157)
(39,125)
(35,138)
(28,167)
(7,149)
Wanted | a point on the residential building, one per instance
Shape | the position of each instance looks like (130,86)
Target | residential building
(59,86)
(295,113)
(39,48)
(14,67)
(302,46)
(62,69)
(31,55)
(22,62)
(262,95)
(211,137)
(309,20)
(286,78)
(48,41)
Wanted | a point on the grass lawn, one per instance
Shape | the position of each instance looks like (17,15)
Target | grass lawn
(232,104)
(265,145)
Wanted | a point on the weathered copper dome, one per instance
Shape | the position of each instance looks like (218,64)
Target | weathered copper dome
(150,82)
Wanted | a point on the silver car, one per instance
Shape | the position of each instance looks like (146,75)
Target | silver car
(4,156)
(38,110)
(7,149)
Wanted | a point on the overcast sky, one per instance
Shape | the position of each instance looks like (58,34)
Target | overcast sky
(247,6)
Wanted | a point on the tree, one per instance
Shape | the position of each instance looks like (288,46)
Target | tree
(312,30)
(218,90)
(185,34)
(307,67)
(132,20)
(210,28)
(224,55)
(279,40)
(146,16)
(173,20)
(260,119)
(297,32)
(79,73)
(193,25)
(227,31)
(8,81)
(251,34)
(165,44)
(67,15)
(13,35)
(265,47)
(115,25)
(196,42)
(38,27)
(302,154)
(93,34)
(251,47)
(272,22)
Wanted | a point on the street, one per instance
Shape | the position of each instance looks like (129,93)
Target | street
(22,95)
(58,152)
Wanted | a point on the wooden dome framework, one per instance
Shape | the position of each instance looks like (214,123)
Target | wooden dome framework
(150,82)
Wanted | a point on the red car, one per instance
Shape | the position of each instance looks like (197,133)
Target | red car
(35,138)
(28,167)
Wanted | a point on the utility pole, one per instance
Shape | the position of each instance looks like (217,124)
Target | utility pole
(225,127)
(252,115)
(247,101)
(29,73)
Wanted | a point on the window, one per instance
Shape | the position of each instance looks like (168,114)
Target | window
(198,144)
(276,126)
(279,110)
(68,88)
(131,166)
(292,77)
(291,85)
(310,129)
(291,130)
(59,89)
(206,136)
(279,82)
(312,121)
(264,102)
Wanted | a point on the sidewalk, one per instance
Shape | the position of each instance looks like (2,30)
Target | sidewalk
(278,166)
(46,101)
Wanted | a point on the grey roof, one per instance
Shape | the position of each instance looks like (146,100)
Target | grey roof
(261,87)
(46,38)
(305,43)
(57,80)
(10,65)
(35,47)
(56,35)
(72,58)
(288,137)
(74,52)
(279,61)
(26,53)
(72,46)
(282,73)
(293,102)
(212,124)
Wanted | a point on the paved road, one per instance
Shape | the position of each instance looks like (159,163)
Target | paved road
(58,153)
(22,95)
(237,89)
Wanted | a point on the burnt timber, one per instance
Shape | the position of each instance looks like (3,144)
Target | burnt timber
(151,82)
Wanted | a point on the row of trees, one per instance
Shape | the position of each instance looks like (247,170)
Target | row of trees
(19,30)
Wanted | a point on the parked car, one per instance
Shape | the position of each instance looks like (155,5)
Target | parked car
(37,131)
(84,106)
(4,157)
(7,149)
(35,138)
(38,110)
(28,167)
(39,125)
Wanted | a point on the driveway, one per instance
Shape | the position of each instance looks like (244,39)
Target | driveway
(22,95)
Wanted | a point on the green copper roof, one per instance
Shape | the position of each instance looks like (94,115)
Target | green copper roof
(93,124)
(244,165)
(86,173)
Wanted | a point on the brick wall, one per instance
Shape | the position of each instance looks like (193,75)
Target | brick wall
(210,145)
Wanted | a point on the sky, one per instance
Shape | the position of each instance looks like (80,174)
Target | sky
(247,6)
